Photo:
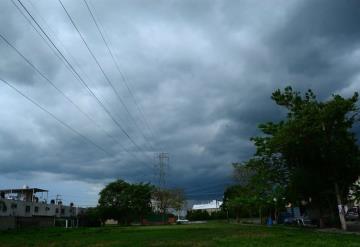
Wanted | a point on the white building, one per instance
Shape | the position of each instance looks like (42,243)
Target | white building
(213,206)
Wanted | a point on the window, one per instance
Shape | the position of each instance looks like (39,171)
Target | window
(62,211)
(13,205)
(27,209)
(36,209)
(3,206)
(47,209)
(57,210)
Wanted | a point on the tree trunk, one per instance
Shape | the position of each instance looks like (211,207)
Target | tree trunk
(237,216)
(340,208)
(260,215)
(321,218)
(333,213)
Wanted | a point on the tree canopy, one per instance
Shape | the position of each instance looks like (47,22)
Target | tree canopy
(310,155)
(125,202)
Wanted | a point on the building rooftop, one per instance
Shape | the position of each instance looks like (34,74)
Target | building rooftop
(214,204)
(23,190)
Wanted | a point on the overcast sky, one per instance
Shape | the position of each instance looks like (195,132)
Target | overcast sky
(201,74)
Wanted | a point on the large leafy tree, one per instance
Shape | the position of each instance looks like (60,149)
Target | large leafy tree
(125,202)
(238,200)
(313,151)
(262,185)
(165,199)
(177,200)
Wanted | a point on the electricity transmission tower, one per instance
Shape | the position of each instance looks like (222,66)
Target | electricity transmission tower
(161,169)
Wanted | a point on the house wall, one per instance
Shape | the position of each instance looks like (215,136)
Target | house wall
(19,208)
(24,222)
(7,222)
(13,222)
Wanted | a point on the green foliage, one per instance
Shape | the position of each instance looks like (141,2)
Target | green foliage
(239,201)
(3,207)
(177,199)
(125,202)
(308,154)
(317,144)
(261,188)
(210,234)
(90,218)
(196,215)
(169,198)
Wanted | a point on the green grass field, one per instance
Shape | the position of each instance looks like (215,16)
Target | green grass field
(210,234)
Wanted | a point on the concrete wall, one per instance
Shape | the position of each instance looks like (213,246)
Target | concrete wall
(7,222)
(19,208)
(20,214)
(27,222)
(12,222)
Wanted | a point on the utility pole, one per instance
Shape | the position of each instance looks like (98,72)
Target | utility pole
(161,169)
(58,199)
(160,175)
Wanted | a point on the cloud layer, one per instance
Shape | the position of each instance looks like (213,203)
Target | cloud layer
(202,73)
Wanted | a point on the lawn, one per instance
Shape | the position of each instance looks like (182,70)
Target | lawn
(210,234)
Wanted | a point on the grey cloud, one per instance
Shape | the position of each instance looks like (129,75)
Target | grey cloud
(203,73)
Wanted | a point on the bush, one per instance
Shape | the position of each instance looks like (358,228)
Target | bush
(204,215)
(219,215)
(90,218)
(197,215)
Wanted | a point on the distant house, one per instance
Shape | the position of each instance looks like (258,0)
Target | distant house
(210,207)
(30,207)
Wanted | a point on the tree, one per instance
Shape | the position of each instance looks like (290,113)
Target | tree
(168,198)
(177,200)
(329,150)
(125,202)
(313,151)
(90,218)
(237,200)
(261,185)
(140,200)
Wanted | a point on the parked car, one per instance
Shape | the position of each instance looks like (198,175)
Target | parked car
(182,221)
(352,214)
(289,221)
(299,221)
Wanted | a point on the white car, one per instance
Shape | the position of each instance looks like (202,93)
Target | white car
(182,221)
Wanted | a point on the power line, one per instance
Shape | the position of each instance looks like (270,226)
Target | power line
(200,194)
(85,114)
(55,117)
(202,188)
(52,49)
(54,36)
(207,191)
(118,67)
(61,92)
(127,84)
(56,51)
(101,68)
(147,123)
(81,79)
(38,32)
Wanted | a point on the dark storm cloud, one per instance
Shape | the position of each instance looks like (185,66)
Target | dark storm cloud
(203,73)
(316,40)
